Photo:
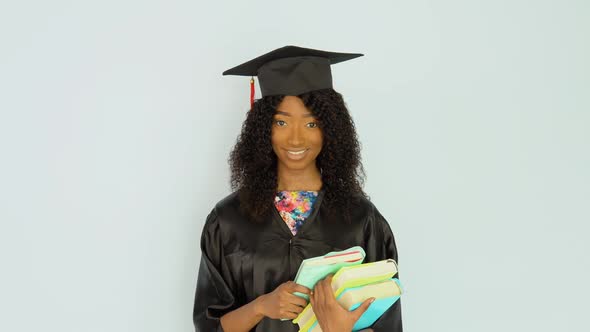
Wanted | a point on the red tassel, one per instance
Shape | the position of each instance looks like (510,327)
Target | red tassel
(252,92)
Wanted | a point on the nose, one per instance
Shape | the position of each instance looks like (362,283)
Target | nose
(296,137)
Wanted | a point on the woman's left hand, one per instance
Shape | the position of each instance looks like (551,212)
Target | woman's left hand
(331,316)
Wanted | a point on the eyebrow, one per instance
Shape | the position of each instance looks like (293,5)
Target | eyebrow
(306,115)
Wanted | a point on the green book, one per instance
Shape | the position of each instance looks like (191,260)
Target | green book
(315,269)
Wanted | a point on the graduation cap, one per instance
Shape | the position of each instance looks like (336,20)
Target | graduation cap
(291,70)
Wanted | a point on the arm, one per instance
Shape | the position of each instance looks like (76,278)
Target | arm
(280,303)
(380,244)
(214,296)
(244,318)
(216,306)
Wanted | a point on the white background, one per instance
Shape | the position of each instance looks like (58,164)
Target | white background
(116,124)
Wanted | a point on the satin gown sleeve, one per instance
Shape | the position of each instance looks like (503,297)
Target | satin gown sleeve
(380,244)
(213,297)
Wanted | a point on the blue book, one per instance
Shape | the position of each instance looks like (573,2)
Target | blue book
(386,293)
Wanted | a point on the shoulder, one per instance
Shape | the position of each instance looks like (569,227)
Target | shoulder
(373,217)
(363,207)
(228,218)
(364,202)
(223,223)
(227,226)
(226,210)
(378,234)
(228,204)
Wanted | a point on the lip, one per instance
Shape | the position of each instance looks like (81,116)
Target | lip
(295,157)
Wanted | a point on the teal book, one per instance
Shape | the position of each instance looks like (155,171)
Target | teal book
(315,269)
(386,293)
(353,276)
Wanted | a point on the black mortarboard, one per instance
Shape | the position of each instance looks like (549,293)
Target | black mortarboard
(292,70)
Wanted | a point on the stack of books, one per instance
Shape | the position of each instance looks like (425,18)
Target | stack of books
(352,284)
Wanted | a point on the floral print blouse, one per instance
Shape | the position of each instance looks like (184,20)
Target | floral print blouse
(294,207)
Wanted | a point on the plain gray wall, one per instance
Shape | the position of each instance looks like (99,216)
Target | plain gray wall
(116,126)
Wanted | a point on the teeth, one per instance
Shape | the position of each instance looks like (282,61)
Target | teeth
(296,152)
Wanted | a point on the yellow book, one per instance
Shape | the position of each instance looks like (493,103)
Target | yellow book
(352,297)
(363,274)
(349,277)
(385,292)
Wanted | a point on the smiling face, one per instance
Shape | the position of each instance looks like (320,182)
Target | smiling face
(296,136)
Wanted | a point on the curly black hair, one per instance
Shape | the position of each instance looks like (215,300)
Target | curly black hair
(253,163)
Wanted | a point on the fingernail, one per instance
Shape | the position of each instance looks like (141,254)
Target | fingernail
(372,300)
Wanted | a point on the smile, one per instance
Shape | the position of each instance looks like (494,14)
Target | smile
(296,152)
(296,155)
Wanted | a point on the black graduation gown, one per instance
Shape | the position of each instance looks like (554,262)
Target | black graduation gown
(242,260)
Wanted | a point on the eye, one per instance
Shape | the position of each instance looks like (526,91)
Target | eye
(280,123)
(312,125)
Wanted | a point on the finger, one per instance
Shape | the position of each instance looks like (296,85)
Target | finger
(327,291)
(319,293)
(292,287)
(358,312)
(288,315)
(301,289)
(293,308)
(327,284)
(294,299)
(315,306)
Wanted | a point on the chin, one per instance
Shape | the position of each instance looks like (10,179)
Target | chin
(297,165)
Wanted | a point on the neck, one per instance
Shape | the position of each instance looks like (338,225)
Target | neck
(305,179)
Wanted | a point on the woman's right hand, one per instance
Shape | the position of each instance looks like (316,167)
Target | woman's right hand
(281,303)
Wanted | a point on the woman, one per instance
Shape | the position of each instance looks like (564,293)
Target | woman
(297,177)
